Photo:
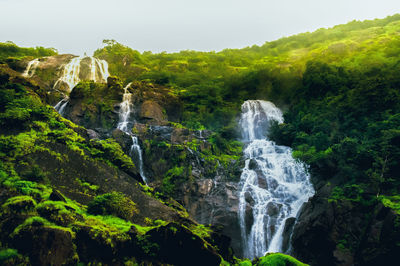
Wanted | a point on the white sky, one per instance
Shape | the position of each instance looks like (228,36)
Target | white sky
(76,26)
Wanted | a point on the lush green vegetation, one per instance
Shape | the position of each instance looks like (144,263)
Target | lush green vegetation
(9,49)
(346,125)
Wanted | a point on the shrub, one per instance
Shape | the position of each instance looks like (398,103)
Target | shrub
(114,203)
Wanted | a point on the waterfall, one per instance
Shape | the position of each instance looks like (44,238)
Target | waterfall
(273,184)
(125,125)
(125,110)
(71,75)
(31,68)
(60,106)
(137,151)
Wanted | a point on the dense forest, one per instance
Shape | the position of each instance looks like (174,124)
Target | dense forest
(338,88)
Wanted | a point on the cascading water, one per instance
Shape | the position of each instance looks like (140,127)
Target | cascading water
(31,68)
(125,125)
(71,76)
(274,185)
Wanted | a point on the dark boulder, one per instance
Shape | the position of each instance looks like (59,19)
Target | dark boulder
(179,246)
(47,245)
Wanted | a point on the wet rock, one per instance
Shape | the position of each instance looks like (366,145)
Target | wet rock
(262,182)
(248,217)
(287,232)
(273,208)
(249,199)
(253,164)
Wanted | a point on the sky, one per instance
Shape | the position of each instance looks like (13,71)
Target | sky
(79,26)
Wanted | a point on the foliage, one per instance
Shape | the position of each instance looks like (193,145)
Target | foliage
(114,203)
(173,178)
(278,259)
(9,49)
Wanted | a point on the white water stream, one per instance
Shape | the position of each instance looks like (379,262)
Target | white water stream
(125,125)
(31,68)
(274,186)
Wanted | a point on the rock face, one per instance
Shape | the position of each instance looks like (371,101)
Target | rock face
(214,202)
(345,233)
(207,189)
(152,112)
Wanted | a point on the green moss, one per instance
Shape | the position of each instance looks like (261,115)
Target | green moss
(106,228)
(19,204)
(392,202)
(57,211)
(278,259)
(172,179)
(112,221)
(110,150)
(142,230)
(87,187)
(245,262)
(27,187)
(201,230)
(39,221)
(113,204)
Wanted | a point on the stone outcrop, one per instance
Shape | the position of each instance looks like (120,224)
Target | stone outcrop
(152,113)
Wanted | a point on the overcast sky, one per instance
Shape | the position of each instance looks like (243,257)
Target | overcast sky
(78,26)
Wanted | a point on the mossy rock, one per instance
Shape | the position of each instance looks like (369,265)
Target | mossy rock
(114,203)
(58,212)
(278,259)
(180,246)
(19,204)
(46,244)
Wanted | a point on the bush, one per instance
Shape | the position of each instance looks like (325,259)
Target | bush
(114,203)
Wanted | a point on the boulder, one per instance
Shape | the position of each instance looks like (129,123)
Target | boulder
(179,246)
(47,245)
(152,113)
